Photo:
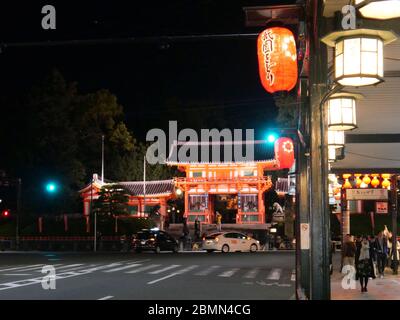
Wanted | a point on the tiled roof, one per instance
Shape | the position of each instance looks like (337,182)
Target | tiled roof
(223,152)
(136,188)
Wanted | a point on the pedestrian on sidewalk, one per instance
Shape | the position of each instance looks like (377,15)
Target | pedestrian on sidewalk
(381,249)
(197,229)
(357,255)
(364,264)
(391,255)
(218,218)
(349,251)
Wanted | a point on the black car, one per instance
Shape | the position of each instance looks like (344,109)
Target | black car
(154,240)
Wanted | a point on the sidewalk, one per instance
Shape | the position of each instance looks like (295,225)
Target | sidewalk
(387,288)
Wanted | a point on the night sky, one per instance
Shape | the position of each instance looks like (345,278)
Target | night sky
(146,77)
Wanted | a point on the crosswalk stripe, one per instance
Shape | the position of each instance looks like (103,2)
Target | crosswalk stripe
(173,266)
(207,271)
(252,273)
(124,267)
(22,267)
(70,266)
(144,268)
(187,269)
(229,273)
(275,274)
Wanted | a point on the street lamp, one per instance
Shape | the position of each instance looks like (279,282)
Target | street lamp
(341,108)
(335,139)
(359,55)
(379,9)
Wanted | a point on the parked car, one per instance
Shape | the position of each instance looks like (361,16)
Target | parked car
(230,241)
(154,240)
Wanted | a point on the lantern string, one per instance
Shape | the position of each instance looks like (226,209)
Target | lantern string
(371,157)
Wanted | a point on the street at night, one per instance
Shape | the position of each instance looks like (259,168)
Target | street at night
(148,276)
(161,152)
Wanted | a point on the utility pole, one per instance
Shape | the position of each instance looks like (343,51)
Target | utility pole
(144,186)
(319,205)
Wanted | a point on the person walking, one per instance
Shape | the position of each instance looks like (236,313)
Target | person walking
(196,229)
(357,255)
(349,251)
(364,264)
(391,255)
(218,220)
(381,249)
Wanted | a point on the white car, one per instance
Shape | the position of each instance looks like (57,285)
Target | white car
(229,241)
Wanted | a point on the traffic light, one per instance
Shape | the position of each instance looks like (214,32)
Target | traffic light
(271,137)
(51,187)
(6,213)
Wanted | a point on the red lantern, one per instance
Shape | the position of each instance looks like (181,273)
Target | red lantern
(277,59)
(284,153)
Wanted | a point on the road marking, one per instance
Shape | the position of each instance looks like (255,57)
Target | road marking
(395,281)
(275,274)
(16,274)
(106,298)
(163,278)
(229,273)
(173,266)
(144,268)
(22,267)
(178,272)
(207,271)
(187,269)
(124,267)
(252,273)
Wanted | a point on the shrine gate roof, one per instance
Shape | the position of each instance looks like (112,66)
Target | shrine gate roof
(159,187)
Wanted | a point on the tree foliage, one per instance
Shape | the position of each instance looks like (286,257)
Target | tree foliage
(55,132)
(112,201)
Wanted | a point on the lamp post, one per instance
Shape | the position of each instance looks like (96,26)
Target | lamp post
(19,182)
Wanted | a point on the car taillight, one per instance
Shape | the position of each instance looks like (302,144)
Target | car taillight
(204,238)
(216,240)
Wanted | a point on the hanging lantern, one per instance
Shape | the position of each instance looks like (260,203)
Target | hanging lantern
(335,139)
(358,180)
(346,176)
(385,183)
(341,109)
(347,184)
(284,153)
(366,179)
(277,59)
(379,9)
(385,175)
(375,181)
(359,55)
(331,154)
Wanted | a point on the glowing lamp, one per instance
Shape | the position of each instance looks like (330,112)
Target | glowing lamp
(366,180)
(375,181)
(385,183)
(277,59)
(335,139)
(341,108)
(347,184)
(331,154)
(178,192)
(359,55)
(379,9)
(385,175)
(284,153)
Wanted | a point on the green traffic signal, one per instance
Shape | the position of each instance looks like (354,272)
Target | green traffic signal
(51,187)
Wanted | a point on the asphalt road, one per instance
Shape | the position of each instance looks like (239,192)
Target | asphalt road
(147,276)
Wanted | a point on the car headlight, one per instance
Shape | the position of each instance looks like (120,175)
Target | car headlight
(258,241)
